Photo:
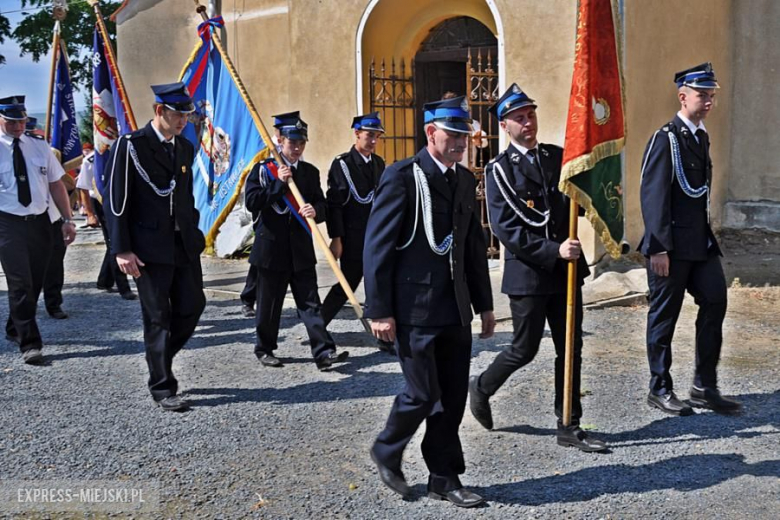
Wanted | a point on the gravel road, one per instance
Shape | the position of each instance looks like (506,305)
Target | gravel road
(293,442)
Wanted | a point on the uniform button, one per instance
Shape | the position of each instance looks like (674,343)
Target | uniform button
(455,228)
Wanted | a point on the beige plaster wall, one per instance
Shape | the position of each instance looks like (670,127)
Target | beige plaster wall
(300,55)
(756,102)
(256,38)
(152,47)
(661,39)
(322,74)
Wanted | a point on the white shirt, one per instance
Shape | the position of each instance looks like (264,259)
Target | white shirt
(42,168)
(691,126)
(162,138)
(366,158)
(291,165)
(523,150)
(86,180)
(441,164)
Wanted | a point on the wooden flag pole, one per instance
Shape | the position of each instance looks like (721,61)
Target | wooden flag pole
(571,317)
(111,57)
(55,52)
(316,234)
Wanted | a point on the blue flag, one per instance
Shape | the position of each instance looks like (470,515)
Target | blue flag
(227,139)
(65,129)
(109,119)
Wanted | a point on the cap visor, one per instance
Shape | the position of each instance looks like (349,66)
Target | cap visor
(372,128)
(453,126)
(185,108)
(518,107)
(14,115)
(703,84)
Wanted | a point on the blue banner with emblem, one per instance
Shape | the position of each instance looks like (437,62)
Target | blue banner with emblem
(227,139)
(65,139)
(109,118)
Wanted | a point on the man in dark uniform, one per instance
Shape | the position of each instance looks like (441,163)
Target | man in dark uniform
(109,273)
(530,217)
(352,181)
(29,183)
(153,229)
(249,292)
(425,267)
(283,251)
(682,253)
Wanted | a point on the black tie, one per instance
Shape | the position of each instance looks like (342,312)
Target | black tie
(20,172)
(169,150)
(703,138)
(452,180)
(533,158)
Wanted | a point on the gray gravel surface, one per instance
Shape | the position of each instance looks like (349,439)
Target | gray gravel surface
(293,442)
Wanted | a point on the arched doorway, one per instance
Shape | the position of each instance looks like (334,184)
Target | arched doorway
(410,52)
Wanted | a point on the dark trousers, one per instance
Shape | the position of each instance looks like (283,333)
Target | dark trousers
(528,316)
(55,273)
(336,298)
(249,294)
(109,271)
(172,301)
(25,248)
(707,284)
(271,289)
(435,364)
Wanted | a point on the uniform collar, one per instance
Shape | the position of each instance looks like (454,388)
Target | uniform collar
(162,138)
(288,163)
(356,155)
(690,125)
(440,164)
(9,140)
(522,149)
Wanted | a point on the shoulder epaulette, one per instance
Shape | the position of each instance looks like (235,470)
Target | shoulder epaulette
(34,136)
(403,163)
(550,147)
(267,160)
(497,157)
(341,156)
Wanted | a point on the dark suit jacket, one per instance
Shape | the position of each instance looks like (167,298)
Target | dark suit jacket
(675,222)
(414,285)
(531,262)
(281,242)
(146,227)
(347,218)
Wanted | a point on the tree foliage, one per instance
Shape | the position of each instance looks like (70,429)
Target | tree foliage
(34,34)
(5,32)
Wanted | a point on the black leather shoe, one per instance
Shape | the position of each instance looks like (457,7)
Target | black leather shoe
(33,356)
(102,287)
(247,311)
(58,314)
(711,398)
(479,404)
(460,497)
(577,437)
(269,360)
(669,403)
(386,346)
(326,363)
(393,479)
(128,295)
(173,403)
